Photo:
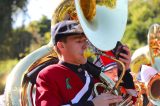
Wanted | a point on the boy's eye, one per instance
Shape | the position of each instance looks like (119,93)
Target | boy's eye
(81,41)
(78,41)
(109,71)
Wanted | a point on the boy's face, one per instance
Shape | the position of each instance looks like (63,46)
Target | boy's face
(74,48)
(112,74)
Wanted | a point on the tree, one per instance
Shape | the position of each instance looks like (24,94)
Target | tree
(8,8)
(142,14)
(44,25)
(21,43)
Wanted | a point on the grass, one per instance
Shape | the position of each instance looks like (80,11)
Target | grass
(5,68)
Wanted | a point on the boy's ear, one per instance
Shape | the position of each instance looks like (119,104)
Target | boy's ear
(60,45)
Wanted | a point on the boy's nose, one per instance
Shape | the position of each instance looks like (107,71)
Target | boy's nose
(85,44)
(116,79)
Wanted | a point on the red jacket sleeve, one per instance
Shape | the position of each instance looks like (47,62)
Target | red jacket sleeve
(47,94)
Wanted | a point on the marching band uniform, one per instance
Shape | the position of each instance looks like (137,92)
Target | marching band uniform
(65,84)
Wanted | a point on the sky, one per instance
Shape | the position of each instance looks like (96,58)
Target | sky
(36,9)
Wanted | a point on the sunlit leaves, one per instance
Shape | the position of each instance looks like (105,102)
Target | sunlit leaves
(142,14)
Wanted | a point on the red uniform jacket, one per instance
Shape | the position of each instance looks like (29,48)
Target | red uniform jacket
(62,84)
(59,85)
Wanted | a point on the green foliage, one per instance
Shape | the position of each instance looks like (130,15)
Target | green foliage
(21,42)
(40,30)
(25,40)
(8,8)
(44,25)
(5,67)
(142,14)
(17,44)
(47,37)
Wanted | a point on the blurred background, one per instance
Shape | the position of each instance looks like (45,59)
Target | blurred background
(25,26)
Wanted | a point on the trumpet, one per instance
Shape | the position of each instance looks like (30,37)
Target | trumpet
(106,83)
(109,85)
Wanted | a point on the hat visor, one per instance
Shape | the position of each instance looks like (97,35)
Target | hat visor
(109,68)
(59,36)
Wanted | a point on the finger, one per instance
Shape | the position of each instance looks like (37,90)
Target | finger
(126,46)
(125,56)
(106,94)
(110,97)
(127,100)
(126,62)
(115,100)
(127,49)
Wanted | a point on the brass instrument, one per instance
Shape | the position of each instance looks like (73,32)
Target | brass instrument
(26,86)
(153,85)
(141,89)
(154,45)
(153,91)
(109,85)
(15,89)
(18,88)
(139,57)
(150,55)
(112,86)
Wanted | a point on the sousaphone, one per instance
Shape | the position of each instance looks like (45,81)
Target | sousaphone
(150,55)
(154,45)
(153,85)
(104,24)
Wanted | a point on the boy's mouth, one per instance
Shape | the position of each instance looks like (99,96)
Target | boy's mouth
(86,53)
